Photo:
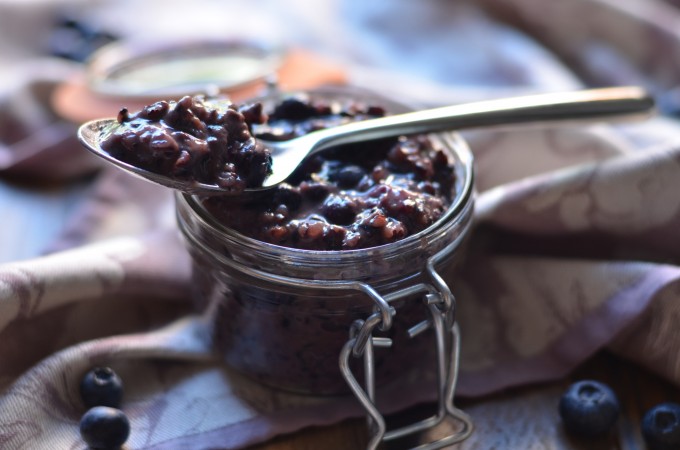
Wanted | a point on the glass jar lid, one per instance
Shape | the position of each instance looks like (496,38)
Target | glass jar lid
(145,69)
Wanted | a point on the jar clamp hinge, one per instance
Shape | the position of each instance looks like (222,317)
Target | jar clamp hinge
(440,304)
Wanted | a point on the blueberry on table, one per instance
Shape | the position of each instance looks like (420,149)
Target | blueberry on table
(101,386)
(104,428)
(661,427)
(589,409)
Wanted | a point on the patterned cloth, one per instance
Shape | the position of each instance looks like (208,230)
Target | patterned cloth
(574,248)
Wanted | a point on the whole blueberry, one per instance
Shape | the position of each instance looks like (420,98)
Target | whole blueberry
(338,210)
(589,408)
(101,386)
(102,427)
(661,427)
(348,176)
(287,195)
(293,108)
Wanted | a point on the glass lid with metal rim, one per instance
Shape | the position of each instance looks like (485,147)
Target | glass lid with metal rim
(173,68)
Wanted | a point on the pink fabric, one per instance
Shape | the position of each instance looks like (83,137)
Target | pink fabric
(574,248)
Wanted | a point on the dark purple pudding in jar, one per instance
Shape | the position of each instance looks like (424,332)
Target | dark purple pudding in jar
(350,197)
(193,139)
(290,271)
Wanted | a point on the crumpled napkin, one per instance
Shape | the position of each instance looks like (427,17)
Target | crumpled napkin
(573,249)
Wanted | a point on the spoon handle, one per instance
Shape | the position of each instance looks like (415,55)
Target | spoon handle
(590,104)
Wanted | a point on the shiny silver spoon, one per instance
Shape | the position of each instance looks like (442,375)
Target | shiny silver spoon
(591,104)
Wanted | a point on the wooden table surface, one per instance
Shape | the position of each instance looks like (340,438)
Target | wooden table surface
(523,418)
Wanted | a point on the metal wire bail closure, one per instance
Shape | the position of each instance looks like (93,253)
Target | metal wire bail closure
(441,305)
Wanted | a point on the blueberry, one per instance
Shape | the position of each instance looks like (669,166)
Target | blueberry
(104,428)
(287,195)
(589,408)
(338,210)
(348,176)
(294,109)
(661,427)
(101,386)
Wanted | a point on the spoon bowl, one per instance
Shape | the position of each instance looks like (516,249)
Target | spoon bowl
(584,105)
(92,133)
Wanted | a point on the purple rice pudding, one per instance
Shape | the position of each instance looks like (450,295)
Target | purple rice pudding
(283,271)
(193,139)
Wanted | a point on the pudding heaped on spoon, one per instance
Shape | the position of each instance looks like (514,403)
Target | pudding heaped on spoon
(193,140)
(206,147)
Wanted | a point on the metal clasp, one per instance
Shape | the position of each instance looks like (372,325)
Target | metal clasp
(440,304)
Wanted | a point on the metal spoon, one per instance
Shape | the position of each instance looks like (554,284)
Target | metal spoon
(591,104)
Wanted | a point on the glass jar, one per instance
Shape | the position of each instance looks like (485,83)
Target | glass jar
(284,315)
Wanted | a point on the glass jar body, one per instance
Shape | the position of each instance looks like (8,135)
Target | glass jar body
(292,338)
(284,314)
